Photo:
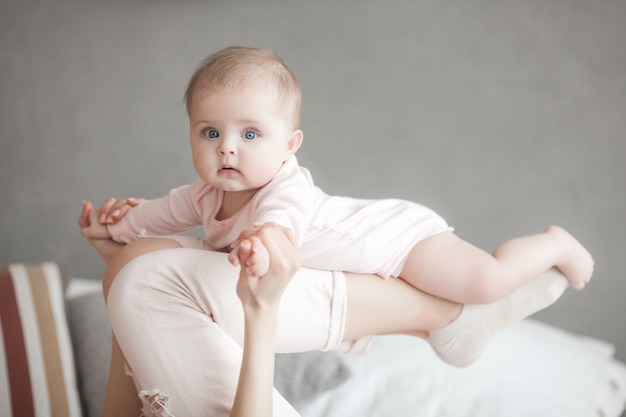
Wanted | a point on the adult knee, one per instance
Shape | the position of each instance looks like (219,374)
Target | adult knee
(130,252)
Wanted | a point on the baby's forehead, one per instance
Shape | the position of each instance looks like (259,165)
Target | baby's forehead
(242,81)
(253,90)
(246,90)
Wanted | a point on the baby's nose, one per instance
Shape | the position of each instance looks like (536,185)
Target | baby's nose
(227,147)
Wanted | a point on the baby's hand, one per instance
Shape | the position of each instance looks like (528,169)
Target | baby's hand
(93,224)
(112,210)
(90,227)
(252,255)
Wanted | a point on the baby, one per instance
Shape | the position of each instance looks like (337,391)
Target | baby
(244,109)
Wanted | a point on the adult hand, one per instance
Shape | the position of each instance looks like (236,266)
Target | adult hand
(285,259)
(260,297)
(88,222)
(90,227)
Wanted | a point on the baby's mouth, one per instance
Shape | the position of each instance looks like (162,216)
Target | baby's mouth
(228,170)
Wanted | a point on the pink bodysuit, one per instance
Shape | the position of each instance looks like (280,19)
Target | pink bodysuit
(335,233)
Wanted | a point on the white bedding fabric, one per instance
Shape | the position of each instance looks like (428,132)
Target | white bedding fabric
(530,370)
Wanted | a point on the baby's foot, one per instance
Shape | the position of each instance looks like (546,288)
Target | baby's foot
(461,342)
(578,263)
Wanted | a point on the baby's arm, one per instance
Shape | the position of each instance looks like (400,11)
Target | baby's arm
(286,211)
(288,201)
(178,211)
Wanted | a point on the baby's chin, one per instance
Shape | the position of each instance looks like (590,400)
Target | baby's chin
(234,189)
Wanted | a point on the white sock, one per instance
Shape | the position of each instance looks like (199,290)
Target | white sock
(462,341)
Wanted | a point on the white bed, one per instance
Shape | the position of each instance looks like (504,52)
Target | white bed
(531,369)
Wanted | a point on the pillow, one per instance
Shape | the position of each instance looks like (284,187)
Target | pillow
(299,377)
(302,377)
(91,334)
(37,375)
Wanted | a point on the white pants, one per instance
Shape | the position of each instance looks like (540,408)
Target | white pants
(179,323)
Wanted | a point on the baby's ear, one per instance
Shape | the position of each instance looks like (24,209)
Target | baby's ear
(294,142)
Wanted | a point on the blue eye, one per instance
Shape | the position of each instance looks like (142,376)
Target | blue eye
(250,135)
(211,133)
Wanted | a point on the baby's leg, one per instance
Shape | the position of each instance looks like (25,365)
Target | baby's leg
(461,342)
(388,306)
(449,267)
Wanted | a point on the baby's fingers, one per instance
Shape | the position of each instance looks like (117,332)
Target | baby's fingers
(117,212)
(133,202)
(258,262)
(240,253)
(245,234)
(103,213)
(233,256)
(113,210)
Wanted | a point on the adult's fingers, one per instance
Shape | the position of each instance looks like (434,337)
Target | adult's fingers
(83,219)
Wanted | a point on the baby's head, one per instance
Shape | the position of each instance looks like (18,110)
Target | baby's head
(241,67)
(244,108)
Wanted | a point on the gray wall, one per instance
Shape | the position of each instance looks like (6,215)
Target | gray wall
(505,116)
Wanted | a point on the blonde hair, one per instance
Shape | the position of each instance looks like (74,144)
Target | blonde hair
(238,66)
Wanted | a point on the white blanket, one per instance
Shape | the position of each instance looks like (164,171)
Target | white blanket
(530,370)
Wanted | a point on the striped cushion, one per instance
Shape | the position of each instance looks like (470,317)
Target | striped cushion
(37,376)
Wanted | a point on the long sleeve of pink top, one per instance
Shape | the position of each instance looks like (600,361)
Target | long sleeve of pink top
(289,200)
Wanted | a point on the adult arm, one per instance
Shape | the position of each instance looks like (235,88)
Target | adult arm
(256,378)
(260,297)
